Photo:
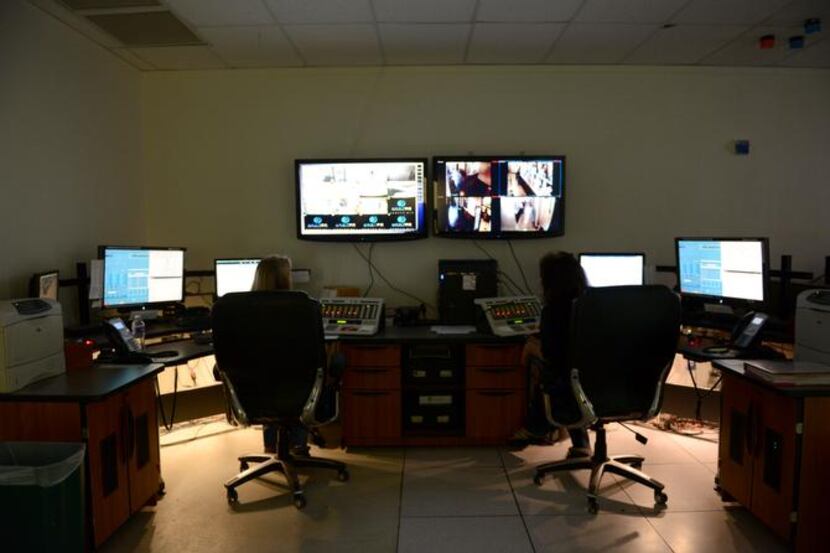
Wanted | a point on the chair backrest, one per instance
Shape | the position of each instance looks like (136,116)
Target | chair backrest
(623,342)
(269,346)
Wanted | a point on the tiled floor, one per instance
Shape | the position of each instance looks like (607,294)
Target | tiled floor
(436,500)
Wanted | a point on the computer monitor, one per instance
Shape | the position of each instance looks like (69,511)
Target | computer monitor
(732,269)
(44,285)
(235,275)
(361,200)
(482,197)
(613,269)
(142,276)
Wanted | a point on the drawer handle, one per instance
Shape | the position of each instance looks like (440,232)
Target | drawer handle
(370,394)
(492,346)
(496,394)
(372,348)
(496,370)
(369,370)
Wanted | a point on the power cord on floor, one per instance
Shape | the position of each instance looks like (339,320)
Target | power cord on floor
(168,425)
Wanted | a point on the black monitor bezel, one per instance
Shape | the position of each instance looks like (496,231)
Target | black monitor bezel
(724,300)
(615,254)
(509,235)
(402,237)
(102,256)
(216,261)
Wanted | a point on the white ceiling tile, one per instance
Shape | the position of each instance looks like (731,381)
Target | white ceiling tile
(728,12)
(427,44)
(745,50)
(798,11)
(321,11)
(336,44)
(424,11)
(203,13)
(683,44)
(512,42)
(628,11)
(817,55)
(599,42)
(526,10)
(180,57)
(251,46)
(127,55)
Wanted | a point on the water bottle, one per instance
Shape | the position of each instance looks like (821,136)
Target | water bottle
(138,329)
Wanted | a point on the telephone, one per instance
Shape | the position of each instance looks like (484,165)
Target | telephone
(127,349)
(747,332)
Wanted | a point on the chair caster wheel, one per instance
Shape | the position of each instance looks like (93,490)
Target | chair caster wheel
(232,496)
(593,505)
(343,475)
(243,466)
(299,501)
(660,498)
(538,479)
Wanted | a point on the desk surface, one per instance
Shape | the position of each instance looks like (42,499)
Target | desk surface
(736,367)
(410,334)
(186,350)
(83,385)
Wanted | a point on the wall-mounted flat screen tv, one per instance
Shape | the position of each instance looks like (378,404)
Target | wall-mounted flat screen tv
(499,196)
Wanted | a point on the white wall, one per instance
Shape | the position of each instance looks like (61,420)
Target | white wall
(70,149)
(648,156)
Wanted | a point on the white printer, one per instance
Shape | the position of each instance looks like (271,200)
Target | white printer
(812,326)
(31,342)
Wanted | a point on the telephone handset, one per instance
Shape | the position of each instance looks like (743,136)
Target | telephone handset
(747,332)
(126,346)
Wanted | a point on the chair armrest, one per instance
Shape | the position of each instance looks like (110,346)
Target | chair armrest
(309,415)
(233,408)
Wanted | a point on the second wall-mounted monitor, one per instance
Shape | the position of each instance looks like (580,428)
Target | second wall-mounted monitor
(499,196)
(731,269)
(613,269)
(361,200)
(235,275)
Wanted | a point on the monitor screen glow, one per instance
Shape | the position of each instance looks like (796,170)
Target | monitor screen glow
(142,276)
(722,268)
(361,200)
(613,269)
(499,196)
(235,275)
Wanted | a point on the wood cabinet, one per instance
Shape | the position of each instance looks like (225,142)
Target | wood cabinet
(773,449)
(481,400)
(112,410)
(758,450)
(495,392)
(371,395)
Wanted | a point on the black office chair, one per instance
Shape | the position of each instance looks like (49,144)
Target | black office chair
(623,341)
(271,357)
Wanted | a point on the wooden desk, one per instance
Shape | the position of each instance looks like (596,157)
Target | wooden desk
(774,452)
(411,386)
(112,409)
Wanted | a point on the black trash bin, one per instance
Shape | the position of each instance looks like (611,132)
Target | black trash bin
(42,496)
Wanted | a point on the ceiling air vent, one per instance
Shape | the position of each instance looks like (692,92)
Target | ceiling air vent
(158,28)
(108,4)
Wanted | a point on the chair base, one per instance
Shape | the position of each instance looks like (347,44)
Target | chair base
(627,466)
(284,463)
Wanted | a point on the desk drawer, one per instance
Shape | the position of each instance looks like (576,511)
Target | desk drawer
(372,355)
(494,355)
(506,377)
(371,416)
(372,378)
(494,415)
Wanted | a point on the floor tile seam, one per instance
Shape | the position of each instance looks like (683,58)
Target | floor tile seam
(400,500)
(518,506)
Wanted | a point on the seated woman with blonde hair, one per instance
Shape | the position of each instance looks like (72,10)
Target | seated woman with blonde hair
(274,273)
